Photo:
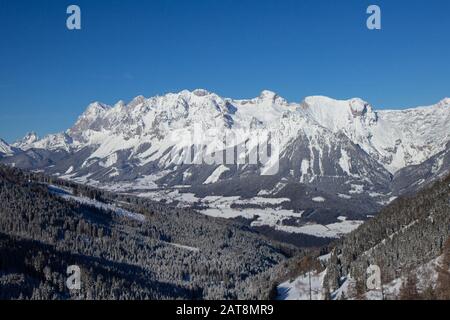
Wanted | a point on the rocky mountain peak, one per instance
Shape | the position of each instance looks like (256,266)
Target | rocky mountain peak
(139,100)
(359,107)
(444,102)
(272,97)
(26,141)
(201,92)
(119,104)
(96,107)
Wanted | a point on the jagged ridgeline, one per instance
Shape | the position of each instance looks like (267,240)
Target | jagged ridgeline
(169,253)
(407,234)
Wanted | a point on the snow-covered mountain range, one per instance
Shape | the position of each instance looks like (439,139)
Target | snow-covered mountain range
(337,158)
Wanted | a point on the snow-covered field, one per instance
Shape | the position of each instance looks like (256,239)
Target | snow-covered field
(333,230)
(269,214)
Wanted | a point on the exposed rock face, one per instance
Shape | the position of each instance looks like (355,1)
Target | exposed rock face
(27,141)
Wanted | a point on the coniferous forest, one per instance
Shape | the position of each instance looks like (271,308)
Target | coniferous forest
(172,254)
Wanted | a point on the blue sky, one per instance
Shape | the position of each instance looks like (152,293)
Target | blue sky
(236,48)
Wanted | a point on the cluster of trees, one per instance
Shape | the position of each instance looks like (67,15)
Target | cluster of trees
(439,290)
(407,234)
(174,254)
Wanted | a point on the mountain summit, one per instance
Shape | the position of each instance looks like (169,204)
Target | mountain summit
(27,141)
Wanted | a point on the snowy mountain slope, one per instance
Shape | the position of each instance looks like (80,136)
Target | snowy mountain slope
(301,288)
(409,241)
(6,149)
(305,287)
(35,159)
(27,141)
(412,178)
(421,133)
(407,234)
(396,138)
(68,195)
(342,151)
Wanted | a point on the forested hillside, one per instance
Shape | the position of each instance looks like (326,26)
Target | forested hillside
(169,254)
(406,236)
